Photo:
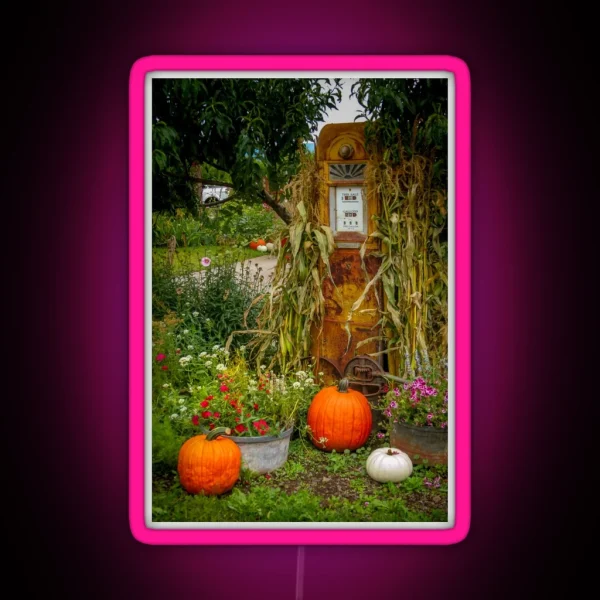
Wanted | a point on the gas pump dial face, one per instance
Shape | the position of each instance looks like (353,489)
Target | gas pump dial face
(349,209)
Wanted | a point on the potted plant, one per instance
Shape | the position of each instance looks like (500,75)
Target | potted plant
(416,416)
(259,408)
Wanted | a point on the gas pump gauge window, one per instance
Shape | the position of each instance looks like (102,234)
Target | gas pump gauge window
(348,209)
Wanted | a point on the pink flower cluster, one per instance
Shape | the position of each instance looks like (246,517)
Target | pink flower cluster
(421,402)
(419,389)
(432,484)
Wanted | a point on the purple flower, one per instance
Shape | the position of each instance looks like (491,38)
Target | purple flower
(413,395)
(430,416)
(443,425)
(446,397)
(443,411)
(366,504)
(205,261)
(387,412)
(419,383)
(393,404)
(396,392)
(380,435)
(406,386)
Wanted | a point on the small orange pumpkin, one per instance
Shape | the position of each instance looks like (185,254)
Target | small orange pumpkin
(261,242)
(209,464)
(340,415)
(254,245)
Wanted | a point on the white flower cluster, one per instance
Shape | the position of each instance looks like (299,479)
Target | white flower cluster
(184,360)
(304,381)
(178,406)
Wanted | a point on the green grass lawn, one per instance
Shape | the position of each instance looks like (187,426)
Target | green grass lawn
(188,259)
(312,486)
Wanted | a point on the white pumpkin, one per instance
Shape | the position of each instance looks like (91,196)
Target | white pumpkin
(389,464)
(270,246)
(262,248)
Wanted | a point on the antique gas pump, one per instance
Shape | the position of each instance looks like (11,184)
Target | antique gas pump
(346,205)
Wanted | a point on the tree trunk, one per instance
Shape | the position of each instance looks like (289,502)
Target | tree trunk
(280,210)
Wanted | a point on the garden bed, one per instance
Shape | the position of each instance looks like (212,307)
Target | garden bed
(312,486)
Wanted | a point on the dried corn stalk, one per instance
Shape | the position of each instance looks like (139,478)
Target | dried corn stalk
(414,267)
(295,305)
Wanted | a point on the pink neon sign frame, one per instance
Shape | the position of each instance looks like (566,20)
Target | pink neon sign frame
(462,234)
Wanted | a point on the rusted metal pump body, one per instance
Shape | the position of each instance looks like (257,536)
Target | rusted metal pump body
(346,205)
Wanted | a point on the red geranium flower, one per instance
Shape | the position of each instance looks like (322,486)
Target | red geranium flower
(209,398)
(206,414)
(160,357)
(216,415)
(224,388)
(204,404)
(211,426)
(195,420)
(240,428)
(165,368)
(261,426)
(255,406)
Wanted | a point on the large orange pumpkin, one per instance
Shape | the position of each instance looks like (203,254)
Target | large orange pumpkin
(340,415)
(209,464)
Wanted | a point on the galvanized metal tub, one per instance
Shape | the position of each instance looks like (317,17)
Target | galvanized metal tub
(429,443)
(263,454)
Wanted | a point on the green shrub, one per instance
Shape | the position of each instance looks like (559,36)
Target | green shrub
(233,223)
(166,443)
(210,305)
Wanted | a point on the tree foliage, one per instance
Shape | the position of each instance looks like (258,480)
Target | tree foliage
(406,117)
(245,130)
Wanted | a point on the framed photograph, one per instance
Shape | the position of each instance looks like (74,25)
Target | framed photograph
(299,300)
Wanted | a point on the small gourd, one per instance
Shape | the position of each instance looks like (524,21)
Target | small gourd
(389,464)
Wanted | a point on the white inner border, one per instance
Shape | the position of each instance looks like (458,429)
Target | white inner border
(148,294)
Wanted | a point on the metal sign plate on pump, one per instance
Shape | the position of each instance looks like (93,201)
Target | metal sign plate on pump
(349,209)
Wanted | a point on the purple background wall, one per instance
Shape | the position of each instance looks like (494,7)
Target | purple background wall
(65,210)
